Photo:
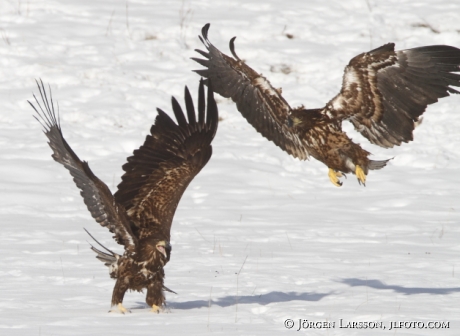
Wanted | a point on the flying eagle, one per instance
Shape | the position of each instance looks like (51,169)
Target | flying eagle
(140,213)
(384,93)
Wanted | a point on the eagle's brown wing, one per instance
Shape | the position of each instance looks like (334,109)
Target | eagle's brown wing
(158,173)
(95,193)
(384,92)
(262,105)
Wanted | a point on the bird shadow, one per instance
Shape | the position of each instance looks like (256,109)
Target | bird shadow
(231,300)
(262,299)
(377,284)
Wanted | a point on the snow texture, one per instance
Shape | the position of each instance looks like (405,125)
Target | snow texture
(259,237)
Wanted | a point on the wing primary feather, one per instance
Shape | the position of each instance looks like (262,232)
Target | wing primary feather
(211,117)
(262,105)
(201,61)
(189,106)
(202,53)
(201,105)
(158,173)
(41,89)
(202,72)
(232,48)
(178,112)
(384,91)
(48,102)
(95,193)
(204,31)
(164,121)
(47,119)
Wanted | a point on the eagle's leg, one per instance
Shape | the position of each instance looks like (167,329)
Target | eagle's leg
(360,175)
(155,297)
(117,296)
(333,176)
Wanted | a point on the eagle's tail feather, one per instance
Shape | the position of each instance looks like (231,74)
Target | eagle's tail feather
(107,258)
(166,289)
(376,165)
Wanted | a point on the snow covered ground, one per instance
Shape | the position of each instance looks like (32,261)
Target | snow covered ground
(259,237)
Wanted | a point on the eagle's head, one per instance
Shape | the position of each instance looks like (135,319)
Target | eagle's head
(293,121)
(303,118)
(164,247)
(154,250)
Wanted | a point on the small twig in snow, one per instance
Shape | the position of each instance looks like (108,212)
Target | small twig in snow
(127,19)
(288,240)
(110,24)
(5,36)
(201,235)
(237,287)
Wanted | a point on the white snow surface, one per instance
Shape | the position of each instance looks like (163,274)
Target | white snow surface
(259,237)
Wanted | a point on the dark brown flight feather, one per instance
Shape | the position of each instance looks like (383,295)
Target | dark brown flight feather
(158,173)
(141,211)
(261,104)
(96,195)
(384,92)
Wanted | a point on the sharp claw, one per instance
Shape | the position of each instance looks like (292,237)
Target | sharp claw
(333,176)
(360,175)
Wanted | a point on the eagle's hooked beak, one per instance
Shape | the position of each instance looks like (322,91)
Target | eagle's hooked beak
(165,249)
(161,246)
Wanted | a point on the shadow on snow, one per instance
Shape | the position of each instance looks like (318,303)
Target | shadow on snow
(377,284)
(263,299)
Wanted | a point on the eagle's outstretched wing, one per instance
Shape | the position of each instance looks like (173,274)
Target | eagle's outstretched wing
(384,92)
(261,104)
(158,173)
(95,193)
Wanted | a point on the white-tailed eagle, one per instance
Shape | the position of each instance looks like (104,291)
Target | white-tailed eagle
(140,213)
(384,93)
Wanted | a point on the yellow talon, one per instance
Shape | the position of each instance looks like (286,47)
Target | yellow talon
(360,175)
(155,309)
(333,176)
(121,309)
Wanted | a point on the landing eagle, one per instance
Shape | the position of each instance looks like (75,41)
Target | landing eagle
(384,93)
(140,213)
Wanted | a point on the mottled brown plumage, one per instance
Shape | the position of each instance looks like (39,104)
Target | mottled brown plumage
(384,92)
(140,213)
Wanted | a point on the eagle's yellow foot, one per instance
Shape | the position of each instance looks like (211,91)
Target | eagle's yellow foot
(155,309)
(333,176)
(119,309)
(360,175)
